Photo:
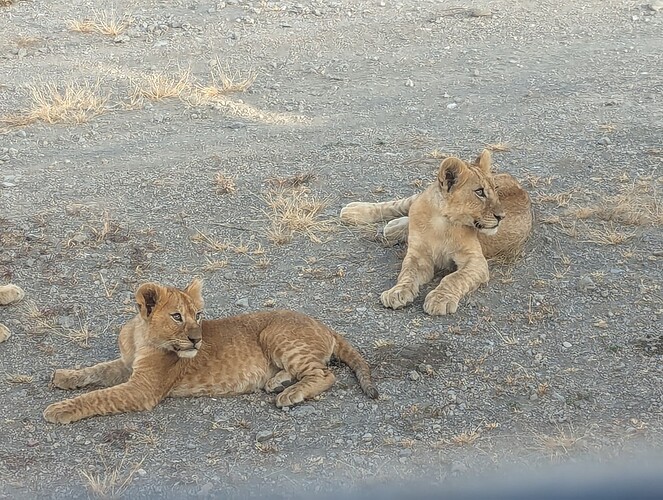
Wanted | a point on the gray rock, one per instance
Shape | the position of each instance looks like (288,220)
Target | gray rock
(303,411)
(586,284)
(414,375)
(604,141)
(656,5)
(262,436)
(243,302)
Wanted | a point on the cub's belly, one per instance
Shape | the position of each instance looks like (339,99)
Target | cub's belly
(223,382)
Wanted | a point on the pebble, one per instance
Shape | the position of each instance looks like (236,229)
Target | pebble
(585,284)
(262,436)
(656,5)
(567,344)
(409,83)
(368,437)
(121,38)
(605,141)
(481,13)
(243,302)
(414,375)
(303,411)
(452,105)
(141,472)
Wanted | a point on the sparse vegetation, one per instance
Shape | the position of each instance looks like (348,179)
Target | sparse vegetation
(295,211)
(104,23)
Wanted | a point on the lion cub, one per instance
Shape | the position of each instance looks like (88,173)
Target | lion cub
(463,218)
(9,294)
(167,349)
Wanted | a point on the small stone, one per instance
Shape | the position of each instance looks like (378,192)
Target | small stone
(481,13)
(32,443)
(262,436)
(405,453)
(303,411)
(409,83)
(604,141)
(243,302)
(160,43)
(8,185)
(414,375)
(206,489)
(635,18)
(121,38)
(656,5)
(368,437)
(585,284)
(452,105)
(458,467)
(566,345)
(141,472)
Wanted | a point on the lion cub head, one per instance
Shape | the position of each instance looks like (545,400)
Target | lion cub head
(470,194)
(173,317)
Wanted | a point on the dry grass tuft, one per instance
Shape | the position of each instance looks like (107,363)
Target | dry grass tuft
(75,103)
(6,3)
(113,480)
(224,81)
(301,179)
(103,23)
(160,86)
(466,437)
(214,265)
(224,183)
(295,211)
(18,378)
(558,445)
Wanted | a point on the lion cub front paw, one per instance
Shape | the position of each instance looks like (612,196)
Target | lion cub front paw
(65,379)
(356,212)
(397,297)
(440,303)
(61,413)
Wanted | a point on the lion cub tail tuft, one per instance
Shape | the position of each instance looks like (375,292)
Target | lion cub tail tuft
(351,357)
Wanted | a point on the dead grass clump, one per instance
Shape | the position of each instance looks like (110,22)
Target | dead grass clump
(558,445)
(295,211)
(112,481)
(636,204)
(160,86)
(74,103)
(18,378)
(225,81)
(6,3)
(224,183)
(103,23)
(295,181)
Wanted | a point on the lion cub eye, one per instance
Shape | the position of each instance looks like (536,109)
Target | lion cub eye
(480,193)
(199,316)
(177,317)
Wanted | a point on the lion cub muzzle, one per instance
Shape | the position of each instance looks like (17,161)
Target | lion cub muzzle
(190,349)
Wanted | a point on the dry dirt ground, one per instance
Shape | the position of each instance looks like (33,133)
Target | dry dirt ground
(161,140)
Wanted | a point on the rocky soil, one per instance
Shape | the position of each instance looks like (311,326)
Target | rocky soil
(162,139)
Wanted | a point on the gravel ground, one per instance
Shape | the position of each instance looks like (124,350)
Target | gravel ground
(558,358)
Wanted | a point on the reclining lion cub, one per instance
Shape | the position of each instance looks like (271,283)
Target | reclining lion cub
(168,350)
(463,218)
(9,294)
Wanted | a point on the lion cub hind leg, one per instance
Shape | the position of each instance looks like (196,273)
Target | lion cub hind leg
(396,231)
(313,379)
(105,374)
(10,294)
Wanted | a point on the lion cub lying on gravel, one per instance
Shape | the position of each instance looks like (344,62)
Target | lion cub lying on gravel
(168,350)
(8,295)
(466,216)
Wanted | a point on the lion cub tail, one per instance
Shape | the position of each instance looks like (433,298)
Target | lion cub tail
(351,357)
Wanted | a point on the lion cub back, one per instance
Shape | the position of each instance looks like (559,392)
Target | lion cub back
(516,226)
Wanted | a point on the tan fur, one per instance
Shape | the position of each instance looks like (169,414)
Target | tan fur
(450,224)
(162,357)
(9,294)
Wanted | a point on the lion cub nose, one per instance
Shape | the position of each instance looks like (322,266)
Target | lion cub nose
(194,338)
(499,216)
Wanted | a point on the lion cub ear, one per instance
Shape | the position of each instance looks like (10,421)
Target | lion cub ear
(450,170)
(194,290)
(485,161)
(147,297)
